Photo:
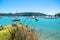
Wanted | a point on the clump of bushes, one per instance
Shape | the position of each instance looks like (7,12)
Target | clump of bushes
(1,28)
(21,33)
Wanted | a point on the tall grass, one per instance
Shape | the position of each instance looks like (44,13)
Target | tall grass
(21,33)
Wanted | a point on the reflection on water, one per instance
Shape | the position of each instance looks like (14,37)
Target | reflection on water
(48,28)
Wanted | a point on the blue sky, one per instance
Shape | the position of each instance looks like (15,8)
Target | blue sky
(43,6)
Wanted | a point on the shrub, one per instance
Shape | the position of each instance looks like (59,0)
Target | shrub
(20,33)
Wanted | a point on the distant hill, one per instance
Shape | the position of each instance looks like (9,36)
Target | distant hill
(23,14)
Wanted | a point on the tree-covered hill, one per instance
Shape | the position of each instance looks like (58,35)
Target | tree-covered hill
(23,14)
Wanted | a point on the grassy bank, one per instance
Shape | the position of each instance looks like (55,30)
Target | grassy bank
(19,31)
(4,32)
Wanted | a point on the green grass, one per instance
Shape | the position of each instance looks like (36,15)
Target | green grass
(4,33)
(1,28)
(21,33)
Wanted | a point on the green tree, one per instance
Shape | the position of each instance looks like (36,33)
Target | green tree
(57,14)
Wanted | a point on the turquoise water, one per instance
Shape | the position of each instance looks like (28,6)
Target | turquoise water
(49,29)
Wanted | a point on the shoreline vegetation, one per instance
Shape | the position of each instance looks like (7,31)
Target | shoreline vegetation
(17,32)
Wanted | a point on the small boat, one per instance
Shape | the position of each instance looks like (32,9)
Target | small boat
(33,17)
(16,19)
(36,19)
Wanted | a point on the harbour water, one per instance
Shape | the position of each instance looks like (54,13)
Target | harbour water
(49,29)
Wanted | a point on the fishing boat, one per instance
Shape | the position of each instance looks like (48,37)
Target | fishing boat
(16,19)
